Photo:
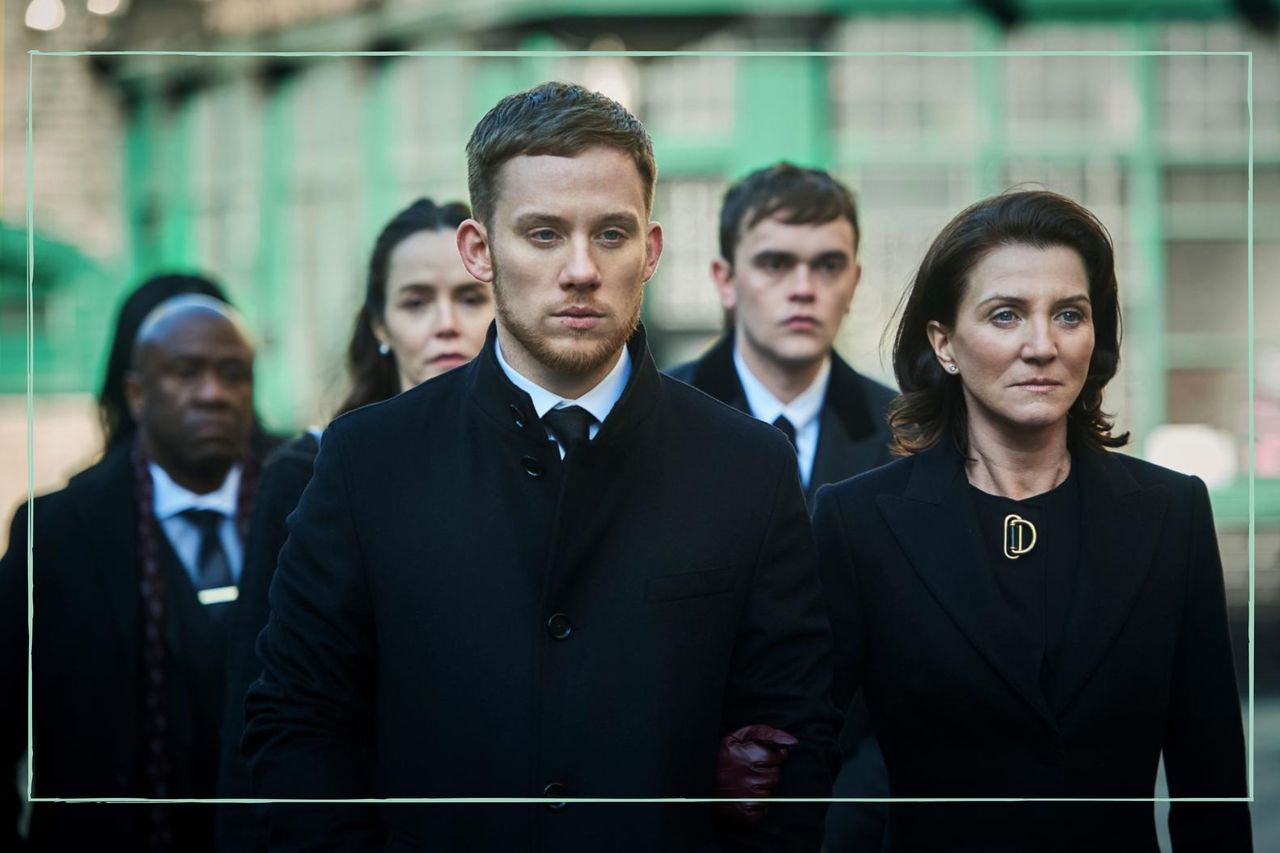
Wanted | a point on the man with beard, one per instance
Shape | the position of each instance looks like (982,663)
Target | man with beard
(548,573)
(135,568)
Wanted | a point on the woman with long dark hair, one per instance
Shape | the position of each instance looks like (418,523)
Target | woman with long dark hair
(1029,614)
(422,315)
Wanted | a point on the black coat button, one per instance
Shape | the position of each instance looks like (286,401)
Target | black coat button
(515,414)
(559,627)
(532,466)
(555,789)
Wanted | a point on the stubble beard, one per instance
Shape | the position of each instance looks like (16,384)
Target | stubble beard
(552,352)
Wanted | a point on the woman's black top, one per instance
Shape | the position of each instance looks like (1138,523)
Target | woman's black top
(1037,586)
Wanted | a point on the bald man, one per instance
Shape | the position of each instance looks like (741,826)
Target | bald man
(135,569)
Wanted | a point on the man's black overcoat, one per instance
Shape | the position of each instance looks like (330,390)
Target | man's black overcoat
(853,437)
(477,618)
(1146,667)
(86,656)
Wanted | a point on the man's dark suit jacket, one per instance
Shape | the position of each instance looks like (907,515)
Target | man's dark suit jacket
(853,435)
(86,658)
(480,619)
(920,625)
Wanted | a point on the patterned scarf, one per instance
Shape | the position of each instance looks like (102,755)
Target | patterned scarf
(152,589)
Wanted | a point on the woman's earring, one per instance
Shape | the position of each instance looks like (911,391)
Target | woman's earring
(952,368)
(383,349)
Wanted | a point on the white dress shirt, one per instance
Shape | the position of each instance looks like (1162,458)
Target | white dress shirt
(171,500)
(803,412)
(599,401)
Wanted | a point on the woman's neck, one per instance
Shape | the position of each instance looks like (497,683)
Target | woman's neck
(1017,466)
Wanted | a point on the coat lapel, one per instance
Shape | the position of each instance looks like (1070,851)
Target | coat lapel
(935,524)
(715,374)
(839,455)
(1120,525)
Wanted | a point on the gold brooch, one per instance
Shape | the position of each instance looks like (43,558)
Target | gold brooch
(1015,530)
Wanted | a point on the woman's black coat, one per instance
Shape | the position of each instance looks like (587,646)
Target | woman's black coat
(1146,667)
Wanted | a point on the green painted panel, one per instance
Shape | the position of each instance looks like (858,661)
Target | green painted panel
(1231,504)
(782,113)
(1145,321)
(378,182)
(139,211)
(274,387)
(176,240)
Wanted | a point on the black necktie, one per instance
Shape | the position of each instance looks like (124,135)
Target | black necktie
(788,430)
(213,569)
(570,425)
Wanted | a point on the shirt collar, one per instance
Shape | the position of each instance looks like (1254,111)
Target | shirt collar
(172,499)
(801,411)
(599,401)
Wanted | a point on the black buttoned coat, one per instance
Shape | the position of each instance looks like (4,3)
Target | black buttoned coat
(86,657)
(1146,666)
(472,617)
(853,437)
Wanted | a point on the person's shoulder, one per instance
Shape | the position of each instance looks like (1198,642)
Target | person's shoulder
(683,372)
(890,478)
(54,509)
(289,467)
(712,429)
(879,394)
(701,410)
(876,393)
(404,414)
(299,450)
(1128,472)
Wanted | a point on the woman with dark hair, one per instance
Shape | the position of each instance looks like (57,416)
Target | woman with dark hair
(422,315)
(1030,615)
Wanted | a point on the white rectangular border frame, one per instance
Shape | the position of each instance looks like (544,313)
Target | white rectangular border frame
(517,53)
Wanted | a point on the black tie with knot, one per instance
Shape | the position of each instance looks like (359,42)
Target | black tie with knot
(570,425)
(213,569)
(788,430)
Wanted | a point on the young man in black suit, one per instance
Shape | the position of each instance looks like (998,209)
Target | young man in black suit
(786,276)
(135,568)
(529,577)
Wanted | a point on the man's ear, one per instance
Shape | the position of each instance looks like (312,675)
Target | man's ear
(722,275)
(652,249)
(474,248)
(134,394)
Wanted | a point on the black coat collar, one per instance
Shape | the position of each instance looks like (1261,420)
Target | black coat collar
(934,522)
(512,408)
(716,375)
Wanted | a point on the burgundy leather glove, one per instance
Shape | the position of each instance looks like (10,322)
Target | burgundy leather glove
(749,765)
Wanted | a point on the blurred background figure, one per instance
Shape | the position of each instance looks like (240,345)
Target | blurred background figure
(118,424)
(253,166)
(423,314)
(135,579)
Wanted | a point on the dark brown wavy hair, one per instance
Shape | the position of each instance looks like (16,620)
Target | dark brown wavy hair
(373,375)
(931,404)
